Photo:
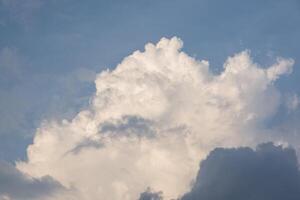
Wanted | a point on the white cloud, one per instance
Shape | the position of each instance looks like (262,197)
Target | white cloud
(187,109)
(283,66)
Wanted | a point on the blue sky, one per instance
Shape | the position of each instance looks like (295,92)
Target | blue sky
(52,50)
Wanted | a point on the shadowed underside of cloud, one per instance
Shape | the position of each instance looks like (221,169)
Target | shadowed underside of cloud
(19,186)
(267,173)
(149,195)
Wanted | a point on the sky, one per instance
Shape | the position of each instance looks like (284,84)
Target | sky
(175,84)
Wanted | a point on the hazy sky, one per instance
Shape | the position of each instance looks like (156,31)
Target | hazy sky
(52,50)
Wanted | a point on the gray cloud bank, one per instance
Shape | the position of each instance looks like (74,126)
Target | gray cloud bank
(16,185)
(268,173)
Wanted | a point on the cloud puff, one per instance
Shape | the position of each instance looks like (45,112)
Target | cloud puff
(152,119)
(267,173)
(19,186)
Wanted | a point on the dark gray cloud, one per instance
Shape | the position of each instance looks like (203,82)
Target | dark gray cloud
(149,195)
(19,186)
(129,125)
(267,173)
(88,143)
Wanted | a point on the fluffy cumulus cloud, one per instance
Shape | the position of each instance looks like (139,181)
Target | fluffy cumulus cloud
(268,173)
(152,120)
